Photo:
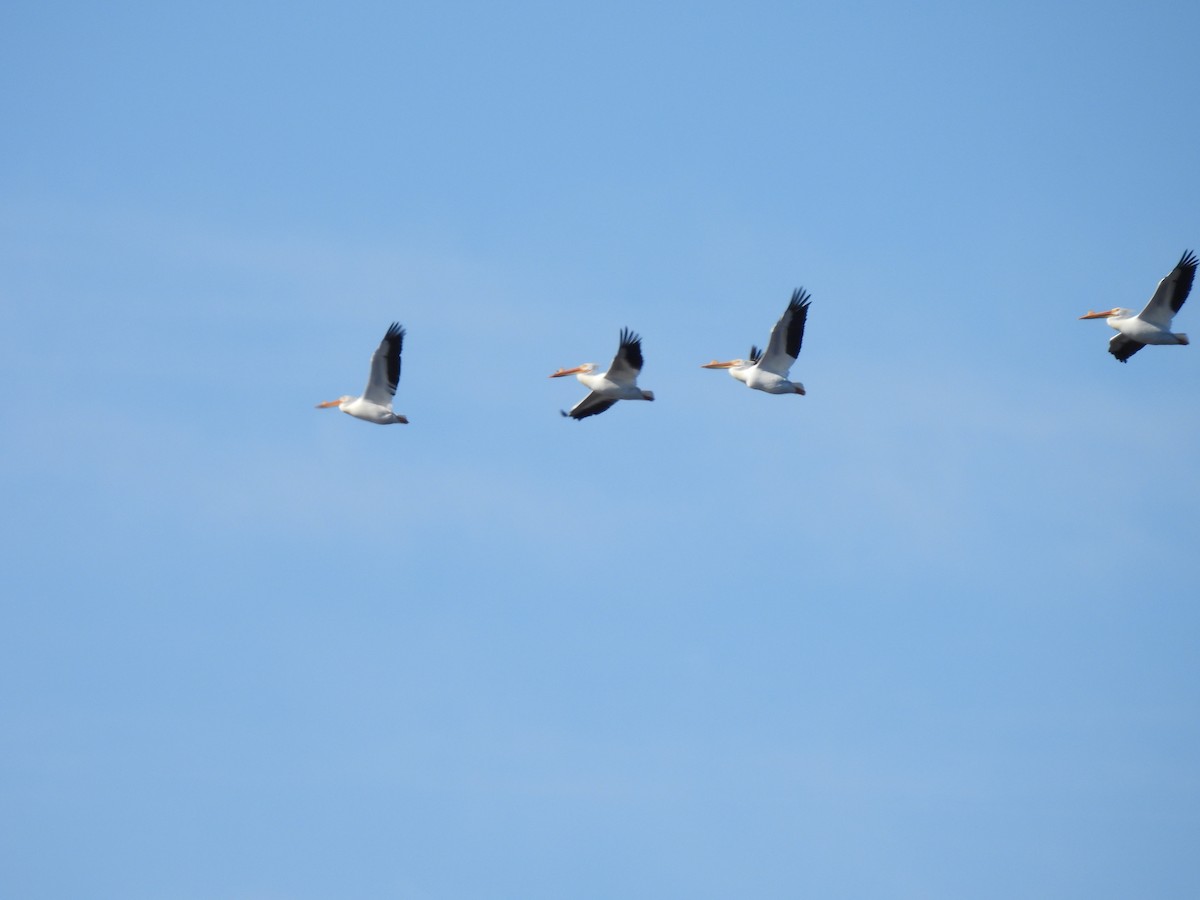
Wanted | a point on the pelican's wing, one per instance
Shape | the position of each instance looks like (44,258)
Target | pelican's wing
(591,405)
(755,354)
(1123,347)
(787,336)
(1171,293)
(628,362)
(385,367)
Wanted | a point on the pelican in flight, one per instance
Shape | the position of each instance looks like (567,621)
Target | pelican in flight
(375,404)
(768,370)
(618,383)
(1153,324)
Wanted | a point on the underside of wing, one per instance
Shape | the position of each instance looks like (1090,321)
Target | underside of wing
(787,336)
(1171,292)
(628,362)
(385,367)
(1123,347)
(591,405)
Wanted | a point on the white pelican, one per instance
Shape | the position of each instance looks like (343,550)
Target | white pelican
(375,405)
(1153,324)
(618,383)
(768,371)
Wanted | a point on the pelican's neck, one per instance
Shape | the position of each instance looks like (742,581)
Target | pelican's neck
(1119,317)
(590,378)
(741,372)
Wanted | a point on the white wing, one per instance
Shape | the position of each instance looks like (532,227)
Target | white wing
(1171,293)
(786,336)
(628,362)
(1123,347)
(591,405)
(385,367)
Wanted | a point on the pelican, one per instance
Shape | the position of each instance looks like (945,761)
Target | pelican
(618,383)
(768,371)
(1153,324)
(375,404)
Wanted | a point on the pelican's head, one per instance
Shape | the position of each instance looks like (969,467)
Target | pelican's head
(338,402)
(732,364)
(1115,311)
(585,369)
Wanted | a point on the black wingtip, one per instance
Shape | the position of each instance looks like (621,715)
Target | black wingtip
(631,348)
(800,298)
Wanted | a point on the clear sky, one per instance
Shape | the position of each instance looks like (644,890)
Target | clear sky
(931,631)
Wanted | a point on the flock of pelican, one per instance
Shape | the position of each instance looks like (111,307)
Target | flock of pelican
(765,370)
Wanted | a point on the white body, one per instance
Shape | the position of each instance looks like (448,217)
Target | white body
(608,388)
(362,408)
(762,379)
(1138,329)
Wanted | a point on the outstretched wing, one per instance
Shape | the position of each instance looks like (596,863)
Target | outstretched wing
(628,362)
(385,367)
(1123,347)
(1171,292)
(591,405)
(755,354)
(787,336)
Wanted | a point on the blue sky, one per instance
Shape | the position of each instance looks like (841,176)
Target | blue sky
(930,631)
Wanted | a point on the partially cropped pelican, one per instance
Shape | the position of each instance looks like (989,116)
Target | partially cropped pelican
(1153,324)
(375,404)
(768,371)
(618,383)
